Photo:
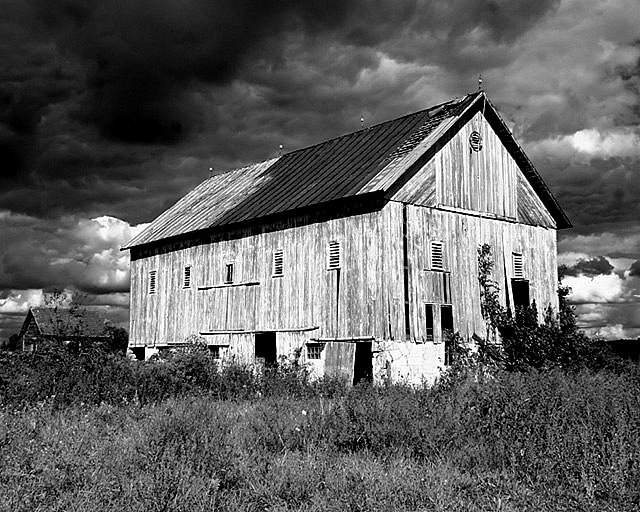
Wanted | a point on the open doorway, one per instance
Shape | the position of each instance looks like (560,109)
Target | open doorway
(446,334)
(266,348)
(363,363)
(520,289)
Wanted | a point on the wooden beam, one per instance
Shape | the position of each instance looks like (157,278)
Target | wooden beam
(253,331)
(228,285)
(352,339)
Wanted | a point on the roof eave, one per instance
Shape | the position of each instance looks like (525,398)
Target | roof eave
(370,200)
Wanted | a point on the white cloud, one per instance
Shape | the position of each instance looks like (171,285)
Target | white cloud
(106,231)
(19,301)
(602,288)
(570,258)
(610,332)
(622,142)
(66,253)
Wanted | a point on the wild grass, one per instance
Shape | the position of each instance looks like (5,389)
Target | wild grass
(187,435)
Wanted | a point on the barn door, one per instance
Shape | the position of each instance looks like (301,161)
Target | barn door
(265,350)
(363,363)
(339,360)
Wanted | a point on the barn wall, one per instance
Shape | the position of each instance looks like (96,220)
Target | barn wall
(363,298)
(462,235)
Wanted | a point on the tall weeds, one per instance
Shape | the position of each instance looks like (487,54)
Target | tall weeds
(93,431)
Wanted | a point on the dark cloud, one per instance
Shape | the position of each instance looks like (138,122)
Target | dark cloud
(139,60)
(590,268)
(94,90)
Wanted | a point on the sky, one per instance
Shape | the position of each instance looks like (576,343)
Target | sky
(112,110)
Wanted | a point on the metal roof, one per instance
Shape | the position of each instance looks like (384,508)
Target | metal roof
(369,160)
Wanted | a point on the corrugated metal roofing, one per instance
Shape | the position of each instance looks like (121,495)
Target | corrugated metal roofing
(366,161)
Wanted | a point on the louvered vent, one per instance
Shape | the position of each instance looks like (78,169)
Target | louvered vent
(518,269)
(278,263)
(152,281)
(475,141)
(187,277)
(437,255)
(334,255)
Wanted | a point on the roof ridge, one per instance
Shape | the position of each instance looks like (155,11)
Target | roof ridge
(452,102)
(457,101)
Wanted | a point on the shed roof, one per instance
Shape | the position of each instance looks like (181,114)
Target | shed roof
(370,160)
(68,322)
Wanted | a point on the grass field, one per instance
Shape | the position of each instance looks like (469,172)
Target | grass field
(550,440)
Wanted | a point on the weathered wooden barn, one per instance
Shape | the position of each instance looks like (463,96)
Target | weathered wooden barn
(361,251)
(60,325)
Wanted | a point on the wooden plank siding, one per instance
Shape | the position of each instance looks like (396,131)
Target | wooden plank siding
(362,298)
(369,295)
(480,181)
(476,181)
(462,235)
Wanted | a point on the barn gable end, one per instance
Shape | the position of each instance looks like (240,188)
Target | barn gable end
(484,179)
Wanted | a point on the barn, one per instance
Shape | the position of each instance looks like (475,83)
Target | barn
(60,325)
(358,253)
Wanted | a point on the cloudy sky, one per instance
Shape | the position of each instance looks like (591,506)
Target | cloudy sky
(111,110)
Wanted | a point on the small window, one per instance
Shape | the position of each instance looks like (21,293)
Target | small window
(228,273)
(446,288)
(152,281)
(334,256)
(314,350)
(518,268)
(186,283)
(214,351)
(278,263)
(429,322)
(437,255)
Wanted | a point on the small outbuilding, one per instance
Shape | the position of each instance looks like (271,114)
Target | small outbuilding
(60,325)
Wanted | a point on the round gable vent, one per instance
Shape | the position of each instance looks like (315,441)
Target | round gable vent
(475,141)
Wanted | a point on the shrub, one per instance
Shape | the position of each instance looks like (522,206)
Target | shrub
(524,342)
